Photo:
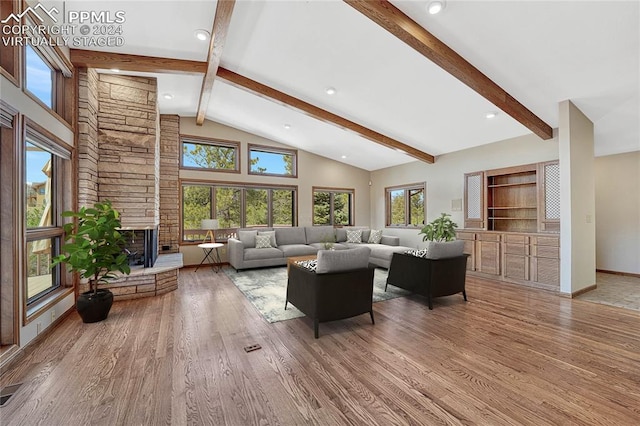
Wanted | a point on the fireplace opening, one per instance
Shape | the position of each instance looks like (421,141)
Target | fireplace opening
(142,246)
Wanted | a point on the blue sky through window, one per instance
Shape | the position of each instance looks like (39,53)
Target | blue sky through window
(36,160)
(39,77)
(272,162)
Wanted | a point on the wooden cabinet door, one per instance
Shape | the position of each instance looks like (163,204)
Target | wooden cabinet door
(474,200)
(469,248)
(546,260)
(549,197)
(488,253)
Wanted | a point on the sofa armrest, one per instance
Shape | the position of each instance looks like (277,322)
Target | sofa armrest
(235,252)
(390,240)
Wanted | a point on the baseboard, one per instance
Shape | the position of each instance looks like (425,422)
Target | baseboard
(624,274)
(582,291)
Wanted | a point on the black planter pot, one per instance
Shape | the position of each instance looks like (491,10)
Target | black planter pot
(94,307)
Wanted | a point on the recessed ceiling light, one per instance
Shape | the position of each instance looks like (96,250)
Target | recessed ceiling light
(202,35)
(331,90)
(343,157)
(115,70)
(490,115)
(287,126)
(435,7)
(168,96)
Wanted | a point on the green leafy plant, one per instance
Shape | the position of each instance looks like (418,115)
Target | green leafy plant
(328,241)
(440,229)
(96,249)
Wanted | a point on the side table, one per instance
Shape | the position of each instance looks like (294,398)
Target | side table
(212,255)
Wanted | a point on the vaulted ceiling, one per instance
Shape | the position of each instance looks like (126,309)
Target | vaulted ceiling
(539,53)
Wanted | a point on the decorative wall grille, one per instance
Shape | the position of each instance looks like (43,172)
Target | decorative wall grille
(552,191)
(474,196)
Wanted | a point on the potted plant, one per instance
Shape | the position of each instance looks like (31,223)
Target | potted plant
(95,251)
(440,229)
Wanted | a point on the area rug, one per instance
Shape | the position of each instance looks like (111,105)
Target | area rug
(266,289)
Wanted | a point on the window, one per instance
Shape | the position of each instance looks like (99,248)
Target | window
(264,160)
(39,77)
(235,207)
(332,206)
(44,161)
(210,155)
(405,205)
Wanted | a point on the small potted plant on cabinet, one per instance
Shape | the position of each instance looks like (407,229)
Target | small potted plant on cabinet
(95,251)
(440,235)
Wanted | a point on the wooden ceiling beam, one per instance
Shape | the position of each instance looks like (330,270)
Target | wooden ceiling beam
(271,94)
(106,60)
(400,25)
(224,9)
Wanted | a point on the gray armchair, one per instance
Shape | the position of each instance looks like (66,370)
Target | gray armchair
(340,287)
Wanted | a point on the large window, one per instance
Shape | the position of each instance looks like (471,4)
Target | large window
(405,205)
(210,155)
(39,76)
(264,160)
(44,161)
(332,206)
(235,207)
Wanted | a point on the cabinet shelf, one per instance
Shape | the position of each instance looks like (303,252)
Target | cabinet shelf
(503,185)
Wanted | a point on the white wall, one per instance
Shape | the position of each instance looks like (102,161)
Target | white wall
(445,178)
(313,170)
(618,212)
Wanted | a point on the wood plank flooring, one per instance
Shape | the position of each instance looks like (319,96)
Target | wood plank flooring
(510,356)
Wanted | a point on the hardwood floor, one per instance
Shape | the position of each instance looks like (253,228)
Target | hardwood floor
(511,355)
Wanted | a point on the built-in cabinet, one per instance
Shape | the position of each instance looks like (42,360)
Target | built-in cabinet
(524,258)
(512,221)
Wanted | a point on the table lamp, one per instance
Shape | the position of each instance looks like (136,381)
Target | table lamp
(210,225)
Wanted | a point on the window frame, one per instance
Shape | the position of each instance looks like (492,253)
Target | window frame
(210,142)
(62,159)
(243,208)
(273,150)
(54,80)
(407,206)
(332,192)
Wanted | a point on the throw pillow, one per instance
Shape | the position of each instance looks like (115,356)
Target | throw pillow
(308,264)
(263,241)
(376,236)
(272,236)
(354,236)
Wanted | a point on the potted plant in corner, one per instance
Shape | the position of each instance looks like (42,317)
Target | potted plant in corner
(95,251)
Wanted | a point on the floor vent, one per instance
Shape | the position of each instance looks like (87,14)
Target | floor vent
(7,392)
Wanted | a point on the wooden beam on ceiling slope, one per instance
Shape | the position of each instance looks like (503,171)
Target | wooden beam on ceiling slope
(224,9)
(106,60)
(318,113)
(400,25)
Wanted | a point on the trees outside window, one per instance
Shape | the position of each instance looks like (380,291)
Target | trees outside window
(210,155)
(405,205)
(332,206)
(264,160)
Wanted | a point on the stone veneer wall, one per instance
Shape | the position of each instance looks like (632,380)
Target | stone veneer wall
(137,286)
(128,148)
(169,186)
(87,137)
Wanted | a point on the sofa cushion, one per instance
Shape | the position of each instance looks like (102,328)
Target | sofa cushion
(286,236)
(354,236)
(320,234)
(262,253)
(382,251)
(444,250)
(248,238)
(263,241)
(342,260)
(375,237)
(290,250)
(341,235)
(366,233)
(272,237)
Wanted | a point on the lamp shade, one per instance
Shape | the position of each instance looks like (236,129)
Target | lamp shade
(209,224)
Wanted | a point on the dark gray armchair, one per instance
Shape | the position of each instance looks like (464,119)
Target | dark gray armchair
(340,287)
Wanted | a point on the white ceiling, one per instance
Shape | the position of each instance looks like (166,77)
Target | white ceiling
(541,52)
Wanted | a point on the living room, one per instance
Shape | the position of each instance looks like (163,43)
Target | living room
(594,140)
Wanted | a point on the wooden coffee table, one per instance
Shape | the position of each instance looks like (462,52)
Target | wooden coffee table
(294,259)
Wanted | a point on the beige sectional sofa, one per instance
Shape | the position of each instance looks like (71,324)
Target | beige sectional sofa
(302,241)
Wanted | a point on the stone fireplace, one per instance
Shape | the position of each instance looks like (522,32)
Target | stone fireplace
(119,160)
